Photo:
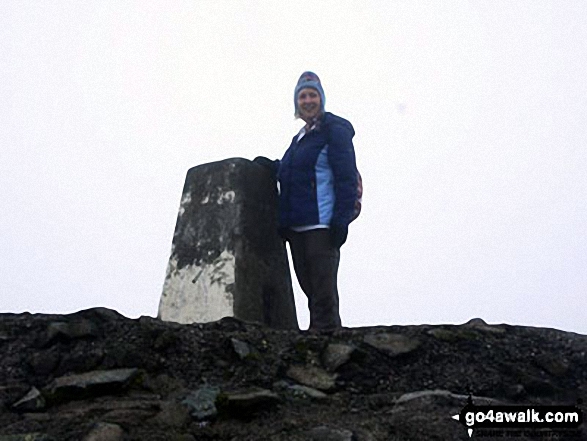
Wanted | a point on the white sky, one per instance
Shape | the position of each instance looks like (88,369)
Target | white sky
(471,122)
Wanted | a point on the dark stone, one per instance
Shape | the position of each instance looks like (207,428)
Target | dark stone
(227,258)
(82,328)
(55,330)
(93,383)
(66,331)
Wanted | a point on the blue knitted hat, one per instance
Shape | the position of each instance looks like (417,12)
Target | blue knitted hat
(309,79)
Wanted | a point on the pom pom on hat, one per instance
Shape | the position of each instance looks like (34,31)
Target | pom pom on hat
(309,79)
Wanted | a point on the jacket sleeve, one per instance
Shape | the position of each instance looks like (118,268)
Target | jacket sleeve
(341,156)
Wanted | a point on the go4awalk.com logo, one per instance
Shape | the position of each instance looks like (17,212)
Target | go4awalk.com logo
(526,420)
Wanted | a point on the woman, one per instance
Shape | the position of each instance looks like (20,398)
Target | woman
(318,191)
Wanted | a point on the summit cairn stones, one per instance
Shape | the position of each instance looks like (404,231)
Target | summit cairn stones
(227,259)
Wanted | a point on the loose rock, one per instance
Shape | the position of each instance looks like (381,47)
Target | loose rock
(240,348)
(304,391)
(202,402)
(447,395)
(65,331)
(91,383)
(392,344)
(335,355)
(31,402)
(482,325)
(252,400)
(312,376)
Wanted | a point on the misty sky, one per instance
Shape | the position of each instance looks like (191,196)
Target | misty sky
(471,136)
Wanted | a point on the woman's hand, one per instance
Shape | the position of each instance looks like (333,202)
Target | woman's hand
(268,164)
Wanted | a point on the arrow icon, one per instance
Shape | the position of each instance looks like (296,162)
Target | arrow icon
(458,418)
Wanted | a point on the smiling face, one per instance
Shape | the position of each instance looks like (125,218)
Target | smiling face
(308,104)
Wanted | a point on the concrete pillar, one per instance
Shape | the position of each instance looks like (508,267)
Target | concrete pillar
(227,259)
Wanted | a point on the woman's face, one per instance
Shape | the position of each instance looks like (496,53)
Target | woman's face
(308,103)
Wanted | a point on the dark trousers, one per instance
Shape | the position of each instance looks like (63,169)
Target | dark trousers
(315,262)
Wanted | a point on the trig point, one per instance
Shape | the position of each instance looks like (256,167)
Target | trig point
(227,259)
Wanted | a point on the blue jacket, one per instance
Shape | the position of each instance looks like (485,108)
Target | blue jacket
(318,176)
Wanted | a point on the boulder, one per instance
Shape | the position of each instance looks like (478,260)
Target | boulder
(227,259)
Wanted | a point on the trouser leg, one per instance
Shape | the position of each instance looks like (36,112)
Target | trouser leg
(297,246)
(316,266)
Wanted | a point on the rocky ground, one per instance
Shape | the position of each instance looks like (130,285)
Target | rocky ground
(98,376)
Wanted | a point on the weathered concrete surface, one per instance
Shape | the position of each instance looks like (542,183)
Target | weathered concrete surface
(227,259)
